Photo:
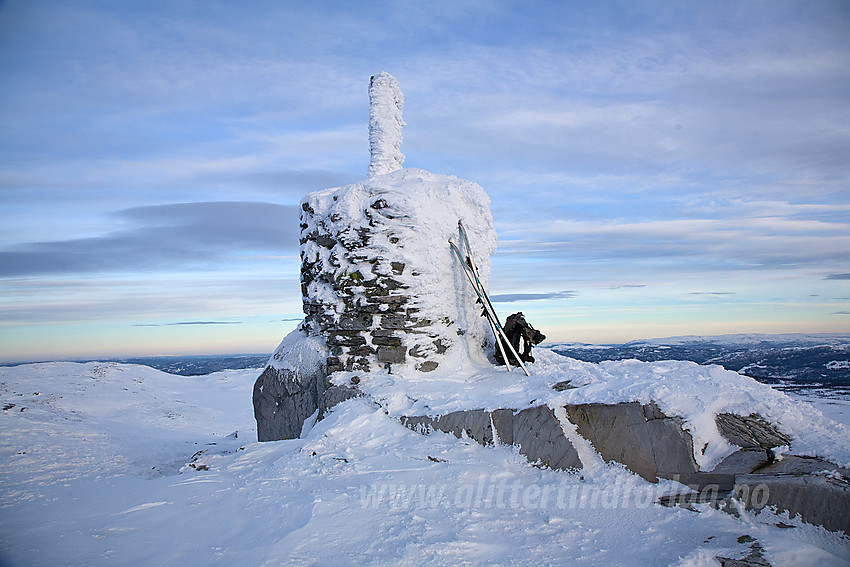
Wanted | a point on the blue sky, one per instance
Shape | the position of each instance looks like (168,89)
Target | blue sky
(655,168)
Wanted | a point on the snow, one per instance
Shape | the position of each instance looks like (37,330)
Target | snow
(114,464)
(832,403)
(299,353)
(386,104)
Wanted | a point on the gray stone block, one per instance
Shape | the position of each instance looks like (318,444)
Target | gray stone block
(539,436)
(428,366)
(799,465)
(475,423)
(356,321)
(346,338)
(392,354)
(393,321)
(325,241)
(618,433)
(742,461)
(387,341)
(672,446)
(817,499)
(282,404)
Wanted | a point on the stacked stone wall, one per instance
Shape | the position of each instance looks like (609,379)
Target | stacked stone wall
(354,293)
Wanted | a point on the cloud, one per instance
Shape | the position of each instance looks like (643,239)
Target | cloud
(189,323)
(514,297)
(712,293)
(229,294)
(163,237)
(844,276)
(700,243)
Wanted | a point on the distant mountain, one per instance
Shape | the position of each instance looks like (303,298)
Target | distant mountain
(798,358)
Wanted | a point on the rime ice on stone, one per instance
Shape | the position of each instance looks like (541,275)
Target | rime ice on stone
(378,279)
(378,282)
(386,103)
(380,289)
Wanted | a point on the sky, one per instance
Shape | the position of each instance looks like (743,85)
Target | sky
(655,168)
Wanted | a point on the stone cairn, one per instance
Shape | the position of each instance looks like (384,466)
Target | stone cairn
(374,258)
(363,319)
(365,310)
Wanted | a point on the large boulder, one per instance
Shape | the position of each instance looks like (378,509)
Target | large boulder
(293,387)
(284,399)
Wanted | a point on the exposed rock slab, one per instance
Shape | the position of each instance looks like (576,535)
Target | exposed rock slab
(282,403)
(654,445)
(535,431)
(743,461)
(818,499)
(538,434)
(648,442)
(641,437)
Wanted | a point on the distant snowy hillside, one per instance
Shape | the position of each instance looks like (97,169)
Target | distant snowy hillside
(797,359)
(113,464)
(750,339)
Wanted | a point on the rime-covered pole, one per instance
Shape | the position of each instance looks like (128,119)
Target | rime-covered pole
(386,103)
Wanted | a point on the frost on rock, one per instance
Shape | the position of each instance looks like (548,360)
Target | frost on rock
(380,288)
(386,103)
(378,279)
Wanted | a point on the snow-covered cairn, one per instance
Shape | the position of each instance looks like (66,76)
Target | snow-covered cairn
(379,286)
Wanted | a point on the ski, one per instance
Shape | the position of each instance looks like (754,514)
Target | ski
(472,273)
(467,269)
(487,305)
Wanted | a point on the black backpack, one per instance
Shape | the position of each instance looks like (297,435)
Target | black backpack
(521,336)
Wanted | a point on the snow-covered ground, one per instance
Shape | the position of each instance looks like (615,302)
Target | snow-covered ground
(111,464)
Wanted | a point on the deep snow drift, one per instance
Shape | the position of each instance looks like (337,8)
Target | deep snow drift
(110,464)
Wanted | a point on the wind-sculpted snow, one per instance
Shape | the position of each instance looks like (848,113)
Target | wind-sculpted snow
(110,464)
